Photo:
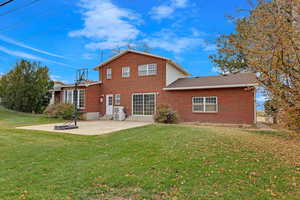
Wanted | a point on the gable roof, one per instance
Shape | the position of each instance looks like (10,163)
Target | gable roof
(177,66)
(222,81)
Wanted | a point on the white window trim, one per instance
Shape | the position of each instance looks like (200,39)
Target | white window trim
(147,74)
(143,103)
(204,103)
(125,75)
(108,77)
(78,98)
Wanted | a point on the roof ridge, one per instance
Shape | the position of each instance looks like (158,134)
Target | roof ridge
(221,75)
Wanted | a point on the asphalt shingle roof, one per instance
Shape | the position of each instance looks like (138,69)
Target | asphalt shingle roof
(230,80)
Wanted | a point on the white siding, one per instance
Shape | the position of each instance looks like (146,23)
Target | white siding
(172,74)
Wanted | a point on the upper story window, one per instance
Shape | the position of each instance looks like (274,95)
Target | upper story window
(125,72)
(205,104)
(108,73)
(147,70)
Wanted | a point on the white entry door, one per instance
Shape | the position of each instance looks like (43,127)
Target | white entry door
(109,104)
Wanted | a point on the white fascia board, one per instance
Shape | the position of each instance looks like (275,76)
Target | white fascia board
(82,85)
(211,87)
(124,52)
(96,83)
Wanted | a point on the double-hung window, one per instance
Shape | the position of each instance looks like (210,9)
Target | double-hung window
(125,72)
(108,73)
(81,99)
(205,104)
(68,96)
(147,70)
(117,99)
(76,98)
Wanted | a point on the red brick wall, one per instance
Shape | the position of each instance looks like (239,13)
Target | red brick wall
(235,105)
(92,98)
(134,84)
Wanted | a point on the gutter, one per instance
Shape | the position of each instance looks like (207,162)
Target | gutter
(211,87)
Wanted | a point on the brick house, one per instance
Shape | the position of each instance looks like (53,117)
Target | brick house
(141,81)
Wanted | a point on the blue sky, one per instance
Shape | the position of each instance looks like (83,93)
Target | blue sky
(67,35)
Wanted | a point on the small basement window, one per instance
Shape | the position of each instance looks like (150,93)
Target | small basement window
(205,104)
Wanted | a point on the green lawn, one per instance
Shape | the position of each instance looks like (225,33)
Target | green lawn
(152,162)
(11,119)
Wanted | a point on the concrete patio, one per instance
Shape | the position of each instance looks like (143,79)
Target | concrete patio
(90,127)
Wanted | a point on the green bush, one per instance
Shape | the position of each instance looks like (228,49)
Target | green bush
(165,114)
(64,111)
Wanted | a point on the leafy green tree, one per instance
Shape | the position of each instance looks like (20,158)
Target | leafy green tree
(26,87)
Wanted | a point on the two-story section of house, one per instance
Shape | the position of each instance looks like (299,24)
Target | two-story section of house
(141,81)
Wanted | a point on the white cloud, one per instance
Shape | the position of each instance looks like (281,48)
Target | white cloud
(216,70)
(195,32)
(22,54)
(169,41)
(261,99)
(88,56)
(107,25)
(209,47)
(161,12)
(179,3)
(167,10)
(55,77)
(59,78)
(14,42)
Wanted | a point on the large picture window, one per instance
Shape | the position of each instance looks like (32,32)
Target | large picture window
(147,70)
(143,104)
(205,104)
(71,97)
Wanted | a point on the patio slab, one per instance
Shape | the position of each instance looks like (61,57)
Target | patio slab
(90,127)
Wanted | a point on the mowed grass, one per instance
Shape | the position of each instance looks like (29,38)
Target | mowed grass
(151,162)
(10,118)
